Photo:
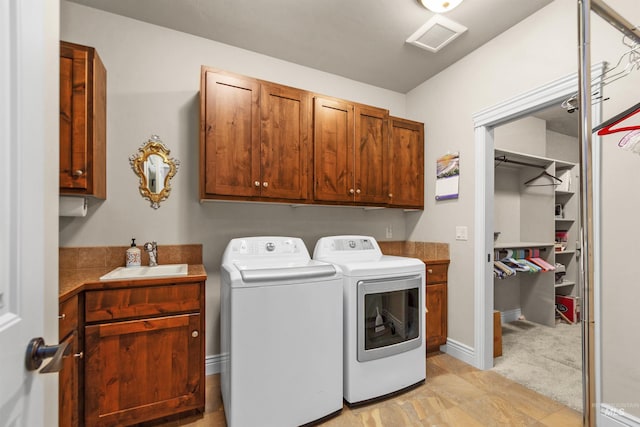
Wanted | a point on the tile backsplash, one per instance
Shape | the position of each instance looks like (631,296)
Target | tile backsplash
(114,256)
(422,250)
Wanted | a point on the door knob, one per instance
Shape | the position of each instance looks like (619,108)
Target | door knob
(37,351)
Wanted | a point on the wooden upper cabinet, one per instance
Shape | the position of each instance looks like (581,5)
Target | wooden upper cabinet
(230,140)
(284,145)
(350,152)
(406,181)
(261,141)
(83,93)
(371,155)
(254,140)
(333,142)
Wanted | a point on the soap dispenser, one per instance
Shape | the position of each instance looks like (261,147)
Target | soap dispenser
(133,255)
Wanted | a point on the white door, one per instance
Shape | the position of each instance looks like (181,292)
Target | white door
(28,184)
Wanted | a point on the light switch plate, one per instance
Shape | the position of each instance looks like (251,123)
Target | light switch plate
(461,233)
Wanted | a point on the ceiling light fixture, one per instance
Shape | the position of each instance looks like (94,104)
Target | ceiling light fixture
(440,6)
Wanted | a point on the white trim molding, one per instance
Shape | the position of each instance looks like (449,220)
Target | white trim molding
(484,122)
(213,364)
(459,351)
(510,315)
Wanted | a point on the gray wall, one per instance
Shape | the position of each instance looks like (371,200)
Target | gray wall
(541,49)
(153,88)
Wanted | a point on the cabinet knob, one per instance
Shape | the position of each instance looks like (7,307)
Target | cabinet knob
(265,184)
(430,271)
(390,195)
(256,183)
(195,334)
(358,191)
(351,191)
(79,355)
(62,316)
(78,172)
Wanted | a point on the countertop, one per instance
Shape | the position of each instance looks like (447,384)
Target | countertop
(75,280)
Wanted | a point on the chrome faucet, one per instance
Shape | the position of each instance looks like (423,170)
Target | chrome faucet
(152,249)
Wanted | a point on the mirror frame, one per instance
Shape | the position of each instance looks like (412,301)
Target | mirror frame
(153,146)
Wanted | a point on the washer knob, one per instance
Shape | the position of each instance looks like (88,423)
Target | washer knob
(270,246)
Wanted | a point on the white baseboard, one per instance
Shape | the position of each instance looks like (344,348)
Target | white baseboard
(460,351)
(213,364)
(611,416)
(510,315)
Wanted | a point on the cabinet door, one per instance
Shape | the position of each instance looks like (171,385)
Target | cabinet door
(406,183)
(284,147)
(371,155)
(73,118)
(230,140)
(333,135)
(436,317)
(69,385)
(143,369)
(82,121)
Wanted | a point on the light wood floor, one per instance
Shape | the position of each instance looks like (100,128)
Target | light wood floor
(454,394)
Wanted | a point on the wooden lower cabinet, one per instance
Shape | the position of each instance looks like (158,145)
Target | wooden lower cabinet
(70,378)
(143,356)
(143,369)
(436,303)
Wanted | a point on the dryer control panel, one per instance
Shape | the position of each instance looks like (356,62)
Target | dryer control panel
(354,248)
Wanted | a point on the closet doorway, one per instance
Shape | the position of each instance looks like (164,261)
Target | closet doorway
(536,253)
(540,298)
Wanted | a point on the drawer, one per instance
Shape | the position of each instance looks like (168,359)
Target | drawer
(436,273)
(112,304)
(68,317)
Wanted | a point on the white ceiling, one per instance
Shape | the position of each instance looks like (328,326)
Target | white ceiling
(363,40)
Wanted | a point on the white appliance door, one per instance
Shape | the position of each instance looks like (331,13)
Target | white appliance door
(28,88)
(389,316)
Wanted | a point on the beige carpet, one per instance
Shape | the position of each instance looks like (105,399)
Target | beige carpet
(546,360)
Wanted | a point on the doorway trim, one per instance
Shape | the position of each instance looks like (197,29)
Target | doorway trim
(484,123)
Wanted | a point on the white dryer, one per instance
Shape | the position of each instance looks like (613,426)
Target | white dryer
(281,334)
(384,330)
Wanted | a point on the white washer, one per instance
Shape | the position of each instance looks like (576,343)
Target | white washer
(281,334)
(384,344)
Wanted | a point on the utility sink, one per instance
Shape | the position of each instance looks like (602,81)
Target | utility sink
(163,270)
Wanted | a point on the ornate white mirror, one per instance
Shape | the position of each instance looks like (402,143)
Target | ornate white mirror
(155,169)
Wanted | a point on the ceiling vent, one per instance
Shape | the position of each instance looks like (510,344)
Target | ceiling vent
(436,33)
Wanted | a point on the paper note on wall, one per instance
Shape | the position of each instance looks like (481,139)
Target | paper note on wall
(448,176)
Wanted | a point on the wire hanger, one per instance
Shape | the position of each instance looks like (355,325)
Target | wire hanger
(555,180)
(632,57)
(607,127)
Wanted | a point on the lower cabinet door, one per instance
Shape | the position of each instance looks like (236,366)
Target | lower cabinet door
(436,317)
(141,370)
(68,385)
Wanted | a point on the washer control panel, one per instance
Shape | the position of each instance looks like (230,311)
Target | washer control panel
(252,246)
